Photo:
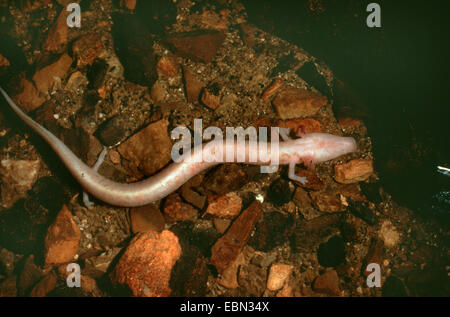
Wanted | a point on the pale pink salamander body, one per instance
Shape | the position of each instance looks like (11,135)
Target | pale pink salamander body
(311,148)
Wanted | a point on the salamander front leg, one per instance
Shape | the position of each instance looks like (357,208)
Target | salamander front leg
(294,177)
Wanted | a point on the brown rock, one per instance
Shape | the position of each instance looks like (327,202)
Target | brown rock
(389,234)
(215,21)
(327,283)
(229,277)
(75,81)
(176,210)
(276,84)
(149,149)
(249,34)
(286,291)
(326,201)
(8,287)
(354,171)
(17,178)
(293,103)
(225,206)
(211,97)
(227,248)
(114,156)
(4,63)
(61,242)
(87,49)
(129,4)
(45,77)
(29,6)
(29,98)
(147,263)
(374,255)
(352,125)
(302,200)
(351,191)
(200,47)
(57,35)
(192,85)
(307,125)
(312,181)
(45,285)
(146,218)
(167,66)
(221,224)
(226,178)
(278,275)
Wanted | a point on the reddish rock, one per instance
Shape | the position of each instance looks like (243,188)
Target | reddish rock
(302,200)
(225,206)
(148,150)
(45,77)
(312,181)
(147,263)
(286,291)
(327,283)
(192,85)
(374,255)
(57,35)
(4,63)
(293,103)
(352,125)
(189,193)
(226,178)
(114,156)
(177,210)
(17,178)
(351,191)
(167,66)
(278,275)
(146,218)
(354,171)
(229,277)
(326,201)
(129,4)
(211,97)
(307,125)
(200,47)
(29,98)
(274,86)
(221,224)
(227,248)
(45,285)
(61,242)
(87,49)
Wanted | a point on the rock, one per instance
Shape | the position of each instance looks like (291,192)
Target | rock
(225,206)
(44,78)
(112,131)
(226,178)
(57,35)
(192,85)
(29,276)
(167,66)
(45,285)
(177,210)
(114,156)
(374,255)
(129,4)
(352,126)
(211,96)
(280,192)
(211,19)
(293,103)
(307,125)
(189,193)
(61,242)
(252,280)
(302,200)
(221,224)
(4,62)
(29,98)
(200,46)
(332,252)
(148,150)
(227,248)
(146,264)
(273,230)
(388,233)
(229,277)
(362,210)
(8,287)
(286,291)
(7,260)
(146,218)
(274,86)
(278,276)
(101,263)
(312,181)
(76,81)
(327,283)
(326,201)
(17,178)
(87,49)
(354,171)
(249,34)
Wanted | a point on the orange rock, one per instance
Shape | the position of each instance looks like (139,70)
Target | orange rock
(87,49)
(374,255)
(354,171)
(45,77)
(327,283)
(293,103)
(129,4)
(29,99)
(114,156)
(312,181)
(167,66)
(211,97)
(212,20)
(228,247)
(148,150)
(147,263)
(176,210)
(229,277)
(306,125)
(57,35)
(276,84)
(193,86)
(146,218)
(45,285)
(221,224)
(225,206)
(286,291)
(278,275)
(4,63)
(61,242)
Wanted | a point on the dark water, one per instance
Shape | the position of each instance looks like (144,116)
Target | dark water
(400,73)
